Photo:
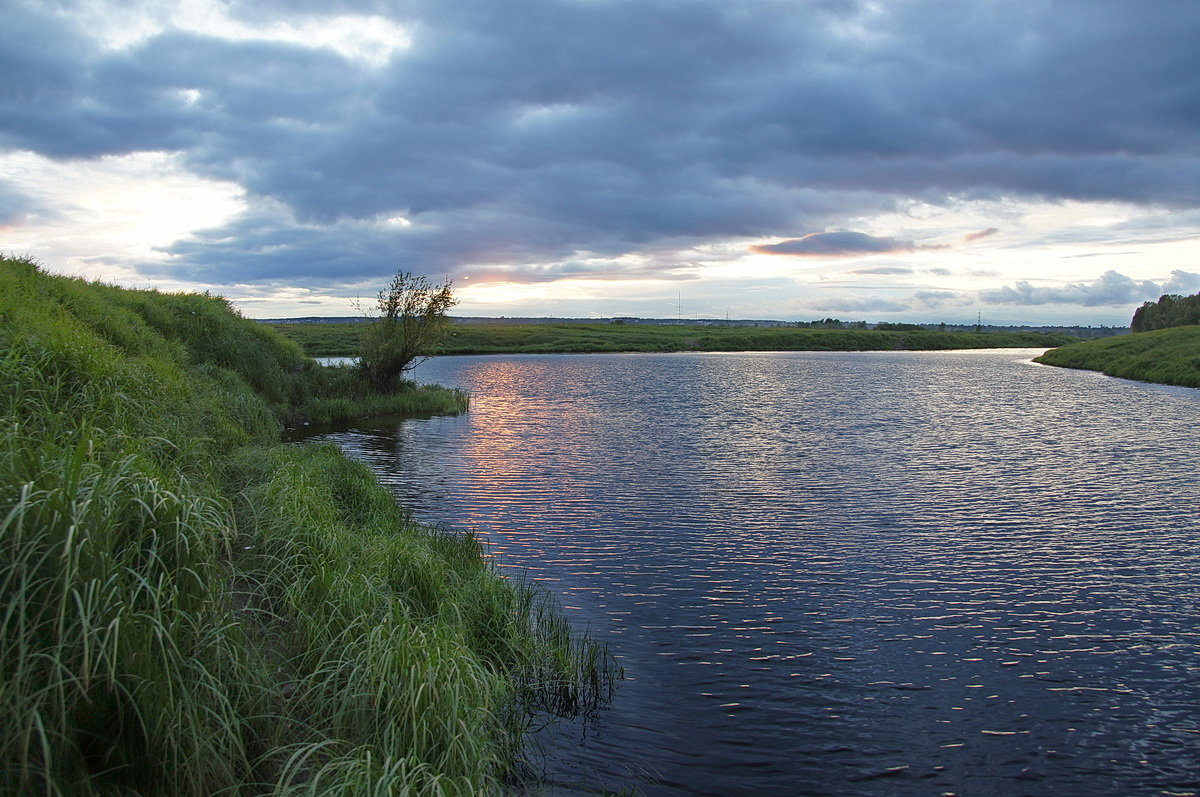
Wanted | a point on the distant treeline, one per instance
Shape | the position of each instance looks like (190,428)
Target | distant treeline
(333,340)
(1171,310)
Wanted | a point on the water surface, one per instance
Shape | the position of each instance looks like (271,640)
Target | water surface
(842,573)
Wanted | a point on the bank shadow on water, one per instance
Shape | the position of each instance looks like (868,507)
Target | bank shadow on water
(828,573)
(377,427)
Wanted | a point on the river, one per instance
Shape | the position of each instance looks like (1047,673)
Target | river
(870,573)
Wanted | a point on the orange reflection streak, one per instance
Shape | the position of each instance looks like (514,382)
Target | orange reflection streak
(502,449)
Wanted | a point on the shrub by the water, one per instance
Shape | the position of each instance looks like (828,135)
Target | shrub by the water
(411,320)
(189,607)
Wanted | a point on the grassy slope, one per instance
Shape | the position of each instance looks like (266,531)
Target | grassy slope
(189,607)
(1169,356)
(320,340)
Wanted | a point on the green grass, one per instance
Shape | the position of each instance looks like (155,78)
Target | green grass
(1168,356)
(189,607)
(333,340)
(323,340)
(335,394)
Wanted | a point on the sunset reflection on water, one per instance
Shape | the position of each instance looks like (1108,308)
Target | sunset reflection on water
(877,573)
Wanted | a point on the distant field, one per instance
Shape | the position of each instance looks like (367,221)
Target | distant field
(323,340)
(1168,356)
(341,340)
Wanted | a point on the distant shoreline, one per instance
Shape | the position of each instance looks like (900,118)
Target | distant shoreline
(1083,332)
(341,340)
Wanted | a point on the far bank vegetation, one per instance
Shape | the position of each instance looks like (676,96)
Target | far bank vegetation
(343,340)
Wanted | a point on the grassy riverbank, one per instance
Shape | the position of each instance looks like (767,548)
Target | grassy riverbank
(1168,356)
(191,608)
(341,340)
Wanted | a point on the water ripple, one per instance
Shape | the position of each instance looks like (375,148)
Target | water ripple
(877,573)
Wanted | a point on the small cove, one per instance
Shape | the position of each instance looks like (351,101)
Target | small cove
(841,573)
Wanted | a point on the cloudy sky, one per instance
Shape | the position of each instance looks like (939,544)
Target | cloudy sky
(923,160)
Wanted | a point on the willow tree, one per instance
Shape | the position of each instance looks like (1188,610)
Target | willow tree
(410,319)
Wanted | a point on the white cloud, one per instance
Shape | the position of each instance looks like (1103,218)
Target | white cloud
(111,210)
(1182,282)
(1110,289)
(368,38)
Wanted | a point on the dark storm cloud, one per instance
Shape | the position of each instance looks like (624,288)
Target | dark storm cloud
(975,236)
(885,270)
(863,304)
(840,244)
(1182,282)
(918,301)
(902,271)
(1111,289)
(270,246)
(14,205)
(573,269)
(551,132)
(931,299)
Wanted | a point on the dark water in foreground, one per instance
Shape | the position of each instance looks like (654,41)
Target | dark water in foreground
(826,573)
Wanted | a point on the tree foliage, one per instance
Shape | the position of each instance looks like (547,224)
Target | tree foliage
(1171,310)
(411,319)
